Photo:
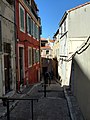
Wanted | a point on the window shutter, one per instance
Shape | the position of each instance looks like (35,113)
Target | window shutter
(30,56)
(29,25)
(21,13)
(21,18)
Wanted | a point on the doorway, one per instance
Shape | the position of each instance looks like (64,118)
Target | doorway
(7,66)
(21,65)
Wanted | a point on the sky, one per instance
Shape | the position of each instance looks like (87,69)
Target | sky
(51,12)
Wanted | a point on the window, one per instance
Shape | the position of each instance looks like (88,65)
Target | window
(28,24)
(29,56)
(47,51)
(22,18)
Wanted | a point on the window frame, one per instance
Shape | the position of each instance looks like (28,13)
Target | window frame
(21,29)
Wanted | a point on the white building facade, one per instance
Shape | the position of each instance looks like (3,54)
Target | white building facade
(74,30)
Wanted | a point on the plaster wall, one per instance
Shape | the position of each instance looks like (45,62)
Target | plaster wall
(78,22)
(8,36)
(80,81)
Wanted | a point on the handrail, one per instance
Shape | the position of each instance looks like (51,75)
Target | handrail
(12,98)
(7,100)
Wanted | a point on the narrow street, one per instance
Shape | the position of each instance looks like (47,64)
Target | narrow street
(52,107)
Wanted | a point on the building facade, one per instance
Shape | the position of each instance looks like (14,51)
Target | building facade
(28,42)
(80,77)
(74,30)
(56,54)
(46,48)
(7,48)
(46,55)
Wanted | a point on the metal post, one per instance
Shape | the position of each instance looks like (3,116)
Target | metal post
(32,108)
(44,89)
(8,113)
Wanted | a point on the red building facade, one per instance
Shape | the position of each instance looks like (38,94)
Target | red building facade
(28,42)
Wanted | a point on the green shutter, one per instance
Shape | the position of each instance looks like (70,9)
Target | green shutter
(29,19)
(21,18)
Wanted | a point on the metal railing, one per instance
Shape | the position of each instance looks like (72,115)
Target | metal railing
(7,100)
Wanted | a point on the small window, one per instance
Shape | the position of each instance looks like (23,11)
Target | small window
(22,18)
(29,56)
(47,51)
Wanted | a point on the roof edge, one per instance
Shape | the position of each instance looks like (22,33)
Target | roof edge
(79,6)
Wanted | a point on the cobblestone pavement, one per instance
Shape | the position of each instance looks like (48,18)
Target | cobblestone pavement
(52,107)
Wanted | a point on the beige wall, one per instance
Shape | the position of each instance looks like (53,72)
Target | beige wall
(80,81)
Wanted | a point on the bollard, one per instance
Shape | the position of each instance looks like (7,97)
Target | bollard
(8,113)
(45,82)
(32,108)
(44,90)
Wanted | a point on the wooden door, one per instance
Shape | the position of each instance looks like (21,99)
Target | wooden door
(6,71)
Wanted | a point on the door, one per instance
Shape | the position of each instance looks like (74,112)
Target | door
(21,64)
(7,66)
(6,72)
